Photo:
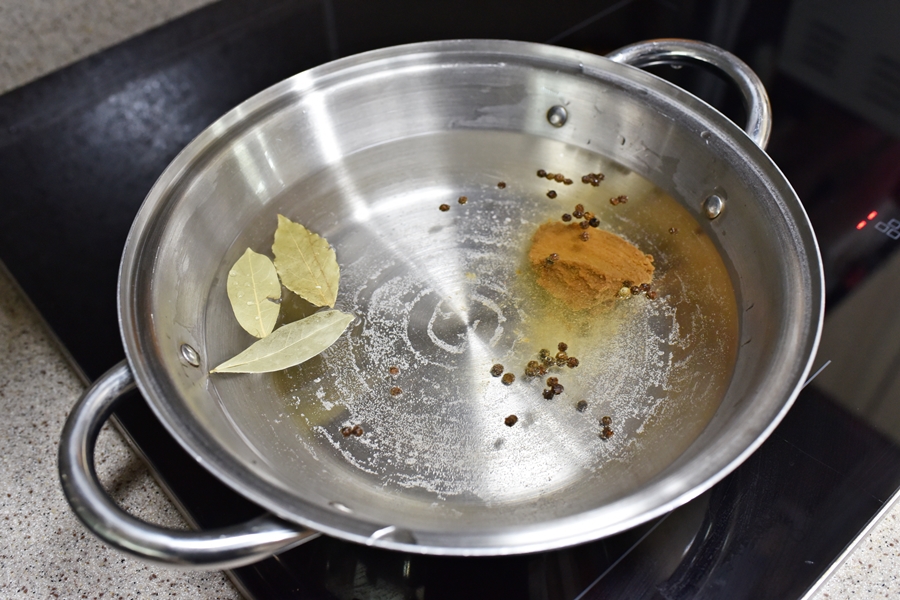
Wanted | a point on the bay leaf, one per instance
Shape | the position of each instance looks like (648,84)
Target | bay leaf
(306,263)
(254,290)
(290,344)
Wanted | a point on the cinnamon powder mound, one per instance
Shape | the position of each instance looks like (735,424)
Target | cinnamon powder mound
(585,273)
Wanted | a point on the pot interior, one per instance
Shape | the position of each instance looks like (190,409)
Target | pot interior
(444,296)
(363,152)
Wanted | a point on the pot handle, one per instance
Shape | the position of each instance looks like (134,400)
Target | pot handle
(678,52)
(223,548)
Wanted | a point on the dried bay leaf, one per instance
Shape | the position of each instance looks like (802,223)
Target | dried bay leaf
(254,290)
(290,344)
(306,263)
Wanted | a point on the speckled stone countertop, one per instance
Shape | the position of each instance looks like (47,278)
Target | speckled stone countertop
(44,551)
(37,37)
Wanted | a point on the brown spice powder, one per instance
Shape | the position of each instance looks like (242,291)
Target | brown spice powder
(588,272)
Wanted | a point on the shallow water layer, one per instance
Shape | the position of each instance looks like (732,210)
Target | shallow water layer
(444,295)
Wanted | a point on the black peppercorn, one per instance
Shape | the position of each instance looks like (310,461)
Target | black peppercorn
(581,406)
(548,394)
(551,194)
(508,379)
(562,346)
(541,173)
(463,199)
(444,207)
(511,420)
(566,217)
(497,370)
(572,362)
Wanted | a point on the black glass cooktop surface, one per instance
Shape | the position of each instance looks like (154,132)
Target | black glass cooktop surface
(80,149)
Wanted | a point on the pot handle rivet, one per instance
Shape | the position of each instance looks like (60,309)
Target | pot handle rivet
(341,507)
(557,115)
(189,355)
(713,206)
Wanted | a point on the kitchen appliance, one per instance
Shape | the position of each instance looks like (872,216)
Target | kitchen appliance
(84,145)
(326,147)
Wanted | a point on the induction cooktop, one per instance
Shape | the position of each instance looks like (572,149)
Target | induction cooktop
(79,150)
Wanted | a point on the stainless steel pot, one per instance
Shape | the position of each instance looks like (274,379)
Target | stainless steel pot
(363,150)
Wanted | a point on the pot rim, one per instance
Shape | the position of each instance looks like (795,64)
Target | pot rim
(548,534)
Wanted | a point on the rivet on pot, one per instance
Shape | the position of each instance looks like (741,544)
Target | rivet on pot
(190,356)
(713,206)
(394,534)
(557,115)
(341,507)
